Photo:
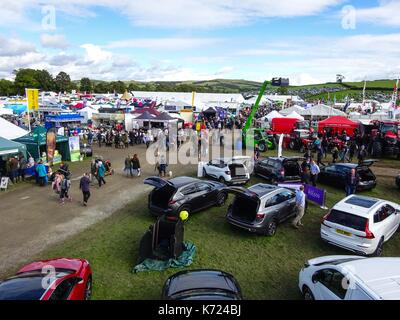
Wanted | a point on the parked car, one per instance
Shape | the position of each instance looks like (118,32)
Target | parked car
(336,174)
(279,169)
(228,170)
(261,208)
(350,278)
(202,284)
(58,279)
(183,193)
(86,150)
(361,224)
(398,181)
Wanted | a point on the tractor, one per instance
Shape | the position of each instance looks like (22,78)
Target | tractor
(385,138)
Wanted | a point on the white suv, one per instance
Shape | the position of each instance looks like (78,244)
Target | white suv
(233,170)
(361,224)
(350,278)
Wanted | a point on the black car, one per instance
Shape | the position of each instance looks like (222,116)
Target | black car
(336,174)
(184,194)
(279,169)
(86,150)
(203,284)
(398,181)
(261,208)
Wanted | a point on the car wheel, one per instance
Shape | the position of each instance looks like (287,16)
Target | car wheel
(307,294)
(271,228)
(221,198)
(222,180)
(262,147)
(379,249)
(89,288)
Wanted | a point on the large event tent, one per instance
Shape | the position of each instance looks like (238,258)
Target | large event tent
(295,115)
(299,110)
(8,147)
(338,124)
(10,131)
(273,114)
(321,110)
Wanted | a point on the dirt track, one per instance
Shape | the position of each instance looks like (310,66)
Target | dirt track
(32,219)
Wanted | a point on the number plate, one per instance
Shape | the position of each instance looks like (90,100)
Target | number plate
(344,232)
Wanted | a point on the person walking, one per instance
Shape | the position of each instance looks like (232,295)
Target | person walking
(335,154)
(84,185)
(22,167)
(351,182)
(300,206)
(135,165)
(314,170)
(128,166)
(162,166)
(305,172)
(41,173)
(101,169)
(65,186)
(362,154)
(14,169)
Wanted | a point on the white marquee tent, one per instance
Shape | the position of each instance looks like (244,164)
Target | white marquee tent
(322,110)
(295,115)
(299,110)
(10,131)
(273,114)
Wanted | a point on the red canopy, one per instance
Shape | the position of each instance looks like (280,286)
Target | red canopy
(338,124)
(149,110)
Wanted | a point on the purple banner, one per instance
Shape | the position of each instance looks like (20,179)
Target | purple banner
(312,193)
(315,195)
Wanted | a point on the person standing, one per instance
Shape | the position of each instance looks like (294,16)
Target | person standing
(84,185)
(22,167)
(101,169)
(300,206)
(351,182)
(135,165)
(14,168)
(99,138)
(65,186)
(314,170)
(162,166)
(41,173)
(305,172)
(362,154)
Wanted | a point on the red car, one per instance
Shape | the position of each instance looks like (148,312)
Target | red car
(58,279)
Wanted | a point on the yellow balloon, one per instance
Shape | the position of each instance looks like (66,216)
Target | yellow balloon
(184,215)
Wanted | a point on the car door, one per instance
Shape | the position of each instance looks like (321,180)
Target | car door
(261,168)
(204,196)
(289,204)
(190,194)
(329,284)
(275,206)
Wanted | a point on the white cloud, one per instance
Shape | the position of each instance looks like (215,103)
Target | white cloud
(96,54)
(386,14)
(15,47)
(178,13)
(57,41)
(164,43)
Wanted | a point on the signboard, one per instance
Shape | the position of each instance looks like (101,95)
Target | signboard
(313,194)
(75,149)
(32,96)
(109,116)
(4,183)
(51,137)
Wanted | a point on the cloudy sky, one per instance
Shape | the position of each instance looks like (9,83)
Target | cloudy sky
(309,41)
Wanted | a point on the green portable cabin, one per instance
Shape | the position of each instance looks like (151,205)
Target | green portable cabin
(35,143)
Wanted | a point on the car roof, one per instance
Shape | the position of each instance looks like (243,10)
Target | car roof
(181,181)
(358,205)
(262,189)
(201,279)
(281,159)
(235,158)
(381,275)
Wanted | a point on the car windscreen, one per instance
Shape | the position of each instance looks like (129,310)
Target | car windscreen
(25,288)
(347,219)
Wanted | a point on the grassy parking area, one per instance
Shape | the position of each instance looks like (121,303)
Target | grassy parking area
(266,267)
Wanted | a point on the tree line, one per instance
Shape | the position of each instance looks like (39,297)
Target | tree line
(43,80)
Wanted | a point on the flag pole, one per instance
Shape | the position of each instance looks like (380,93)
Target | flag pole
(27,105)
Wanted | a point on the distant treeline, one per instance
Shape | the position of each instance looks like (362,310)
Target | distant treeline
(43,80)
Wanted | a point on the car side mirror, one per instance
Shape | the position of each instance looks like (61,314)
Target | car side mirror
(79,280)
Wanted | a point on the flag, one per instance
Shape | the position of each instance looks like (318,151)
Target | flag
(347,104)
(32,98)
(365,87)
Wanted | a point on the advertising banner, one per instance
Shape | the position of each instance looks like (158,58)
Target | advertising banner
(313,194)
(32,96)
(51,137)
(75,149)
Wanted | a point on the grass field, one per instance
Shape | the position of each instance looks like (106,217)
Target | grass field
(266,267)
